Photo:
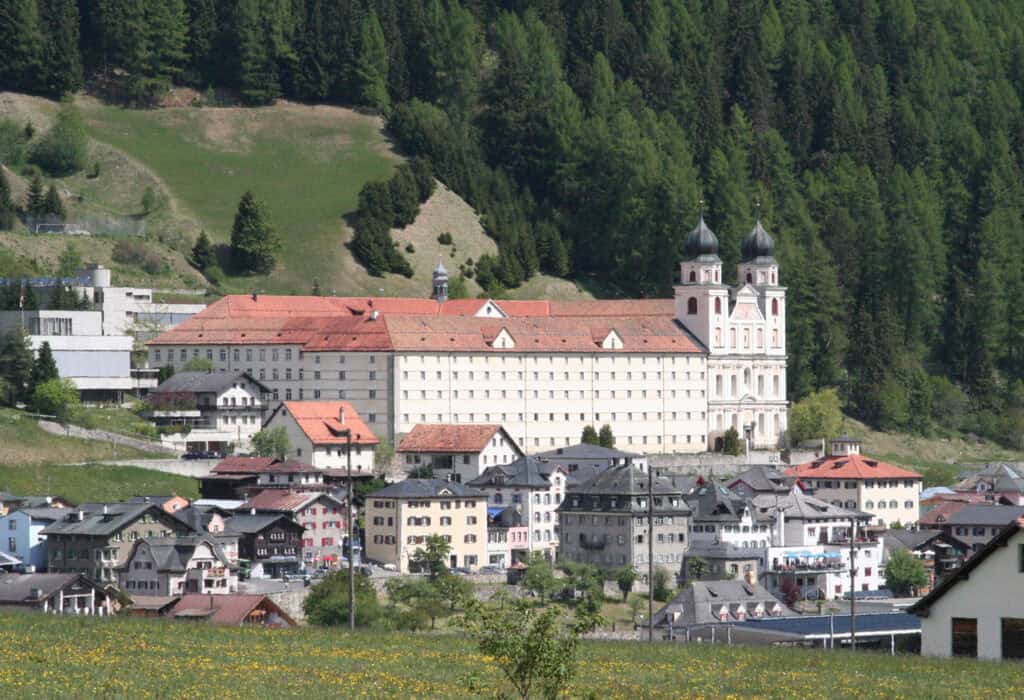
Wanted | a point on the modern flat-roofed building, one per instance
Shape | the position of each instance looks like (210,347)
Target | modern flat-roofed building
(669,375)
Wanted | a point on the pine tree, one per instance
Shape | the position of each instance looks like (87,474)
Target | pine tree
(21,46)
(253,241)
(606,438)
(52,204)
(34,198)
(202,256)
(44,367)
(7,208)
(167,26)
(372,69)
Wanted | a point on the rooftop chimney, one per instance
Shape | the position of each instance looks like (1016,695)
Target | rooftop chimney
(374,315)
(105,507)
(252,511)
(255,296)
(81,515)
(341,414)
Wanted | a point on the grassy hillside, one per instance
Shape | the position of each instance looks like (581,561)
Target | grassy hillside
(93,482)
(23,443)
(50,657)
(307,164)
(937,458)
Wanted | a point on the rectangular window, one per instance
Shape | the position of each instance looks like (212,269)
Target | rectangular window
(1013,638)
(965,637)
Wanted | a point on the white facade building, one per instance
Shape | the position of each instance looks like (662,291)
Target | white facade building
(978,610)
(669,375)
(318,434)
(21,534)
(461,451)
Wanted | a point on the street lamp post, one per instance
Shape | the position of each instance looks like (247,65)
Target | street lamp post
(351,539)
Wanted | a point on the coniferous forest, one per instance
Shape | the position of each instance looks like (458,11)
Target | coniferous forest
(880,141)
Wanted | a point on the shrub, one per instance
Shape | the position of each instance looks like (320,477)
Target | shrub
(445,238)
(149,201)
(56,397)
(410,248)
(137,253)
(94,171)
(12,144)
(63,150)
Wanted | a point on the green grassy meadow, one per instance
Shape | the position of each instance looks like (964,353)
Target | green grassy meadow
(23,443)
(81,483)
(306,164)
(50,657)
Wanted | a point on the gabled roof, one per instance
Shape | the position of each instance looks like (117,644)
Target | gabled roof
(244,465)
(427,488)
(852,466)
(325,422)
(798,505)
(626,480)
(585,450)
(96,523)
(224,609)
(19,588)
(172,554)
(526,472)
(203,382)
(941,513)
(700,602)
(286,501)
(247,524)
(985,515)
(763,479)
(712,501)
(334,323)
(450,437)
(923,606)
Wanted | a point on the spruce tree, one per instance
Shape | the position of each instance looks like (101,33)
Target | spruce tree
(202,255)
(52,204)
(16,365)
(166,28)
(21,46)
(589,436)
(257,74)
(44,367)
(61,55)
(605,438)
(34,197)
(372,68)
(253,241)
(7,208)
(203,31)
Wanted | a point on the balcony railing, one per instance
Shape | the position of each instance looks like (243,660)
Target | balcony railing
(809,566)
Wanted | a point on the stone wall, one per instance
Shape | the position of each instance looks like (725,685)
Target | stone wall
(104,436)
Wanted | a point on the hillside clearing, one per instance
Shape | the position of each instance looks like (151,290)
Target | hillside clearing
(53,657)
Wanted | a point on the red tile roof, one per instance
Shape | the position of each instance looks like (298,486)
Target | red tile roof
(941,513)
(852,466)
(348,323)
(243,465)
(319,420)
(448,438)
(224,609)
(281,500)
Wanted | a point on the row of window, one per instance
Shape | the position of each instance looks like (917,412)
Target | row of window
(324,542)
(485,375)
(327,525)
(425,520)
(871,505)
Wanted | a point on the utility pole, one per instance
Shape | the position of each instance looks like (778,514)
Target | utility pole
(650,553)
(853,588)
(351,539)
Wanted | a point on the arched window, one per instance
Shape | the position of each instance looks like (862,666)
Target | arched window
(718,306)
(869,504)
(881,505)
(894,504)
(693,276)
(691,306)
(775,307)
